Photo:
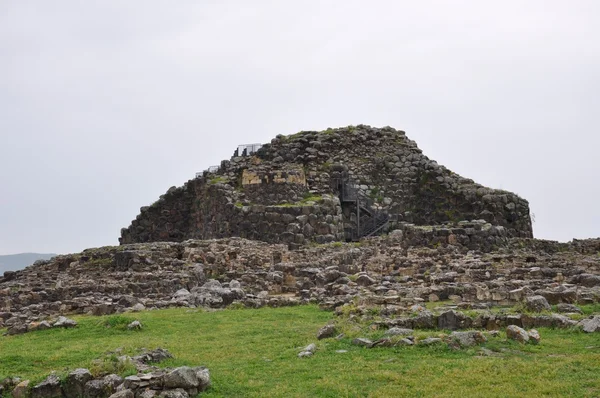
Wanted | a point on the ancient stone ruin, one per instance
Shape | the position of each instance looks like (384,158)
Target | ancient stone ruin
(334,185)
(356,220)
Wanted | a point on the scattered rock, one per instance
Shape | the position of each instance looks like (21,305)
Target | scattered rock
(17,329)
(591,324)
(395,331)
(384,342)
(135,325)
(49,388)
(177,393)
(64,322)
(326,332)
(112,381)
(203,376)
(452,320)
(537,304)
(75,383)
(466,339)
(94,389)
(182,377)
(308,350)
(138,307)
(365,280)
(21,390)
(362,342)
(39,326)
(405,341)
(514,332)
(534,336)
(123,394)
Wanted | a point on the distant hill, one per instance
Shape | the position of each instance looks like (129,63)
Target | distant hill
(13,262)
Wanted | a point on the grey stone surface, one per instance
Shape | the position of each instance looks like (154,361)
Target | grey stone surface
(271,197)
(95,389)
(64,322)
(467,339)
(49,388)
(361,341)
(327,332)
(514,332)
(537,304)
(123,394)
(182,377)
(396,331)
(591,325)
(75,381)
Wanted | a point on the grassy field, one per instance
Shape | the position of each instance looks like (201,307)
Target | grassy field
(253,353)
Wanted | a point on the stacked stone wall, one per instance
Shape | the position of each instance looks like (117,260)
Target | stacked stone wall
(209,208)
(261,196)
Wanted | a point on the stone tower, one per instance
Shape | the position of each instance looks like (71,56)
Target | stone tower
(333,185)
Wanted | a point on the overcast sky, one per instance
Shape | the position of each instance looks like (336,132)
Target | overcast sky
(106,104)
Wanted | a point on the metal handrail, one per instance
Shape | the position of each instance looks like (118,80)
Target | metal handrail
(367,225)
(246,149)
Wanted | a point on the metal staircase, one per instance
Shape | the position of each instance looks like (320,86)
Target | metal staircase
(370,221)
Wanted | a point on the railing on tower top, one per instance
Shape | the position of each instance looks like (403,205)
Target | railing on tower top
(211,169)
(246,149)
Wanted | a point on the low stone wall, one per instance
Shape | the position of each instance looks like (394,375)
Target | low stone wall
(294,224)
(167,220)
(473,235)
(207,208)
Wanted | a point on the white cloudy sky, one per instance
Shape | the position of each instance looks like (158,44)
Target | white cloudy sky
(106,104)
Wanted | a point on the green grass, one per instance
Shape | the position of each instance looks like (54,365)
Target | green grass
(218,180)
(308,199)
(253,353)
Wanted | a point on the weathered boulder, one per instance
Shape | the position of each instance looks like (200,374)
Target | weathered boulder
(177,393)
(365,280)
(423,320)
(112,381)
(537,304)
(395,331)
(43,325)
(591,325)
(123,394)
(534,336)
(182,377)
(18,328)
(95,389)
(307,351)
(568,308)
(514,332)
(64,322)
(203,376)
(75,381)
(362,342)
(135,325)
(49,388)
(326,332)
(466,339)
(452,320)
(21,390)
(383,342)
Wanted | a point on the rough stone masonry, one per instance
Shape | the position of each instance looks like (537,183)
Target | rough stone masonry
(283,193)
